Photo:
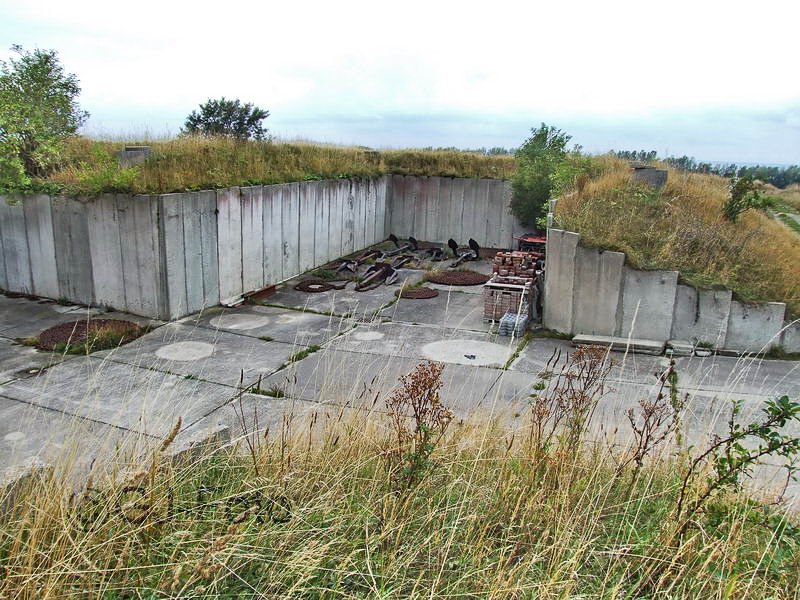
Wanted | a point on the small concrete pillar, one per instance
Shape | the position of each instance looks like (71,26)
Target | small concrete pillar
(132,156)
(651,176)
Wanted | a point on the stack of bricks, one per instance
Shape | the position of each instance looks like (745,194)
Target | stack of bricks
(516,263)
(503,295)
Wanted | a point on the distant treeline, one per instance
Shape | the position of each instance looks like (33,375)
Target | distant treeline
(778,176)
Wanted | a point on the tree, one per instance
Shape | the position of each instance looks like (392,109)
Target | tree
(38,111)
(743,195)
(228,118)
(537,159)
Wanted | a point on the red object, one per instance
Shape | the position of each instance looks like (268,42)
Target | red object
(530,241)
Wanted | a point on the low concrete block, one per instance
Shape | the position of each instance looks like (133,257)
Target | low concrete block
(620,344)
(680,348)
(648,303)
(790,339)
(754,327)
(562,247)
(701,315)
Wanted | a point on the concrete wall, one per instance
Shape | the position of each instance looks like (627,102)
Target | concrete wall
(171,255)
(590,291)
(436,209)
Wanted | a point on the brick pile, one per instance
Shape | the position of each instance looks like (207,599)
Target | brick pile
(516,263)
(503,295)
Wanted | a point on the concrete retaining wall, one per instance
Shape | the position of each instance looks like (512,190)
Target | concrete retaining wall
(436,209)
(590,291)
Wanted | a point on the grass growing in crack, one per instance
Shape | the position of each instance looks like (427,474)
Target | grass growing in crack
(524,341)
(404,501)
(266,338)
(303,353)
(273,392)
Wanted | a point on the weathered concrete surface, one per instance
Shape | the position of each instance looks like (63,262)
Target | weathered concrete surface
(140,400)
(701,315)
(449,310)
(598,279)
(19,362)
(411,341)
(562,247)
(790,339)
(754,327)
(279,324)
(15,271)
(41,245)
(202,353)
(648,302)
(620,344)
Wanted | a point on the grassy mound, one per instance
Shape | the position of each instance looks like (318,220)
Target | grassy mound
(682,227)
(196,163)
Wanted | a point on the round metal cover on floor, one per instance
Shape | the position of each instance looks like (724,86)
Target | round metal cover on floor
(457,277)
(420,293)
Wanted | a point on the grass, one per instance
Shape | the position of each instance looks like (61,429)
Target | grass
(318,509)
(303,353)
(789,222)
(682,227)
(273,392)
(196,163)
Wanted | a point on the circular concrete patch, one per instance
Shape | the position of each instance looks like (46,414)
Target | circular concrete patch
(368,336)
(14,436)
(467,352)
(238,322)
(185,351)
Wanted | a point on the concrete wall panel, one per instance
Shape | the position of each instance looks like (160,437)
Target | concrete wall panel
(754,327)
(41,245)
(73,256)
(598,277)
(790,339)
(200,249)
(290,228)
(701,315)
(149,257)
(322,214)
(273,234)
(307,226)
(648,303)
(371,207)
(383,214)
(252,238)
(16,257)
(106,252)
(229,241)
(348,217)
(559,281)
(174,251)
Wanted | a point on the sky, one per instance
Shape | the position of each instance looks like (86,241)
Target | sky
(714,80)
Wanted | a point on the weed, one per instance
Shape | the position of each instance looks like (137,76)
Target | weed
(303,353)
(266,338)
(273,392)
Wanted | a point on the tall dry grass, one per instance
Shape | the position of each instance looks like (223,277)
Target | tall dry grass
(682,227)
(194,163)
(313,509)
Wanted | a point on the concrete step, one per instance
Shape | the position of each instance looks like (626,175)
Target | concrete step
(620,344)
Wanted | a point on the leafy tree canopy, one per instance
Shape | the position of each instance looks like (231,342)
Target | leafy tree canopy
(38,111)
(227,118)
(537,159)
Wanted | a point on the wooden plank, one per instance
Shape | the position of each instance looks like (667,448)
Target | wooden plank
(307,226)
(41,245)
(252,203)
(172,238)
(273,236)
(229,243)
(15,248)
(290,228)
(322,212)
(106,252)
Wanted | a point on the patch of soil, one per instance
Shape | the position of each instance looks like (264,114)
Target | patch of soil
(457,277)
(420,293)
(94,334)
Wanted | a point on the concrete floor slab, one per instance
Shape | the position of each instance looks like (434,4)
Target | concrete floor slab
(453,310)
(18,361)
(355,379)
(280,324)
(410,341)
(23,317)
(207,354)
(34,434)
(140,400)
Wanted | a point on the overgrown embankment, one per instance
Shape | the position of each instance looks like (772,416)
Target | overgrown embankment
(195,163)
(682,227)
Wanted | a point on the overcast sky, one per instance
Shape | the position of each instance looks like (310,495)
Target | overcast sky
(715,80)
